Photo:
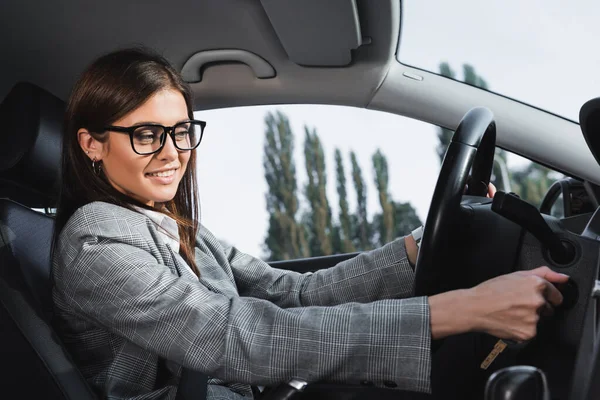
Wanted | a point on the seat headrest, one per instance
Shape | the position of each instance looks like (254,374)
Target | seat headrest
(30,146)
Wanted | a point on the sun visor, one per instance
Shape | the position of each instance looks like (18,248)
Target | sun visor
(316,33)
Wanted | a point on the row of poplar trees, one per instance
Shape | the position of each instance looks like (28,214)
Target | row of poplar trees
(314,231)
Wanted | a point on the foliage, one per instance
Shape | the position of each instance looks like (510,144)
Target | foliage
(319,214)
(344,231)
(385,227)
(314,232)
(362,229)
(285,237)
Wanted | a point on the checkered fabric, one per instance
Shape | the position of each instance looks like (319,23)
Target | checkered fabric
(132,314)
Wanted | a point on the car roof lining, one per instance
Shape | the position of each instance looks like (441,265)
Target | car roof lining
(68,47)
(70,44)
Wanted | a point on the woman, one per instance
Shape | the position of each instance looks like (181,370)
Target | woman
(142,289)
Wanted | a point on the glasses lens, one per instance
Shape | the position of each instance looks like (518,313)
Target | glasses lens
(188,135)
(146,139)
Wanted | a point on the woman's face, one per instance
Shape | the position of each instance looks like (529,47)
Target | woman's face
(150,178)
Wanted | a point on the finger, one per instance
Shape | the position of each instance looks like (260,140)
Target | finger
(552,294)
(546,310)
(491,190)
(549,275)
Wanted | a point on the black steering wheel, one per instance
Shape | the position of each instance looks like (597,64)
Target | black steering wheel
(472,145)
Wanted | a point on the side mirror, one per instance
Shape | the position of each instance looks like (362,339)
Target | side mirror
(517,383)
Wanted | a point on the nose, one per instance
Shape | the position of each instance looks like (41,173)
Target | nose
(169,151)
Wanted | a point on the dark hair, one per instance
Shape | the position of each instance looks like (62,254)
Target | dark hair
(110,88)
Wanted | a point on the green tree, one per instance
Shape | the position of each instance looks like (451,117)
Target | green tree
(501,176)
(386,227)
(285,237)
(532,182)
(319,223)
(405,219)
(343,235)
(362,229)
(472,78)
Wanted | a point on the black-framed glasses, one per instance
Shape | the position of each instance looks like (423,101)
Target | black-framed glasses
(151,138)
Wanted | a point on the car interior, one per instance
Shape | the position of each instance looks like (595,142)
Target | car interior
(341,52)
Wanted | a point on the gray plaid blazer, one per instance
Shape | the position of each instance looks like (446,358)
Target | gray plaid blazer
(131,314)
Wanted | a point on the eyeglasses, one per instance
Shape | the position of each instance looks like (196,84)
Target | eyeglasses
(151,138)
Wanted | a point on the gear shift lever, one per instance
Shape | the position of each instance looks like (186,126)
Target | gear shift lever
(517,383)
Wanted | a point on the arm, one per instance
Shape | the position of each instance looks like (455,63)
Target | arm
(373,275)
(116,284)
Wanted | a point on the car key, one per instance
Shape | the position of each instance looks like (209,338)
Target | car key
(499,347)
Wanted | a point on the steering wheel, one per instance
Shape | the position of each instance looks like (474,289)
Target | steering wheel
(472,145)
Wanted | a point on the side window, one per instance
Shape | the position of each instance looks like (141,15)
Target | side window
(295,181)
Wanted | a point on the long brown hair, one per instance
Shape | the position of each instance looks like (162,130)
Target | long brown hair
(110,88)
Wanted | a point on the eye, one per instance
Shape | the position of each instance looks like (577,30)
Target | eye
(182,132)
(181,135)
(145,135)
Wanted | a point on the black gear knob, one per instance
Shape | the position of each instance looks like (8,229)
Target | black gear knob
(517,383)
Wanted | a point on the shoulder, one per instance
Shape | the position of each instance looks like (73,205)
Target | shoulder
(103,219)
(101,225)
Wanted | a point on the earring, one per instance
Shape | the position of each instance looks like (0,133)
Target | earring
(96,166)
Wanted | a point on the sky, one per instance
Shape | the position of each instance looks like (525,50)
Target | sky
(539,52)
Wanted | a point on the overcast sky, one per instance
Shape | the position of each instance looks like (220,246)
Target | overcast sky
(539,52)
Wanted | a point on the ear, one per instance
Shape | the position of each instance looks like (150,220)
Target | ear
(92,147)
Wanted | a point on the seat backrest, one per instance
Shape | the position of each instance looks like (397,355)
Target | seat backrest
(33,359)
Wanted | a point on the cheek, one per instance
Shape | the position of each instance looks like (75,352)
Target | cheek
(184,159)
(124,162)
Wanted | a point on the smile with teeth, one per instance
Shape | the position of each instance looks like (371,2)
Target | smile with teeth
(163,174)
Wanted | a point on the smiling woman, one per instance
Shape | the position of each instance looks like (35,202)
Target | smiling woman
(142,290)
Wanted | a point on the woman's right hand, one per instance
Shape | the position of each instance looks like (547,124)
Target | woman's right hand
(508,306)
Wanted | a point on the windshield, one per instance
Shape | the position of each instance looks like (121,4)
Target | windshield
(542,53)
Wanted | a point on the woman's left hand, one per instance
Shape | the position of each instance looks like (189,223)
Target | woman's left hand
(491,190)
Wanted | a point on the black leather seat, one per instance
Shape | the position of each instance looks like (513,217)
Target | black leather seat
(34,362)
